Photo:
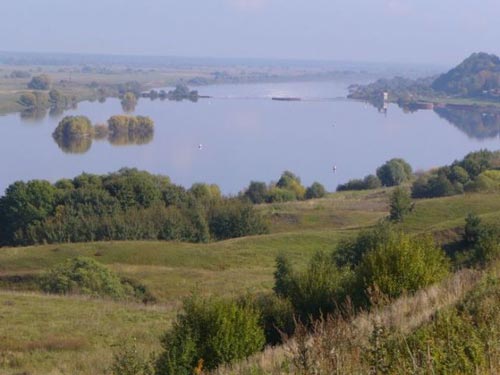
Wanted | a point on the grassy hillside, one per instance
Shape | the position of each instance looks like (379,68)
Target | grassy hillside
(44,334)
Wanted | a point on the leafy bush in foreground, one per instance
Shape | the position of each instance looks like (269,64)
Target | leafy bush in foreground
(209,332)
(402,263)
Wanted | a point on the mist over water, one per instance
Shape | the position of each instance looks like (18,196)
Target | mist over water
(245,136)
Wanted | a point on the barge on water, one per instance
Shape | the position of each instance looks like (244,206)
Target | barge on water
(285,99)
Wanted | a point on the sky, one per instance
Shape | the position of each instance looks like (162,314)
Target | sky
(406,31)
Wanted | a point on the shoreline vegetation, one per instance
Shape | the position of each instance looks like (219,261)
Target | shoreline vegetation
(473,84)
(94,82)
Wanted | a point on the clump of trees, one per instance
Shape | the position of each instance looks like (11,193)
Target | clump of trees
(369,182)
(126,205)
(393,172)
(130,129)
(288,188)
(385,259)
(34,100)
(40,82)
(473,173)
(182,92)
(20,74)
(75,133)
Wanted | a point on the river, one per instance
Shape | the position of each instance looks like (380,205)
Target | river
(240,135)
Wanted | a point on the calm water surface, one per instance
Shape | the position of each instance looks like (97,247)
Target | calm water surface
(246,136)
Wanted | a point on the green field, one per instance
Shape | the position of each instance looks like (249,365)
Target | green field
(43,334)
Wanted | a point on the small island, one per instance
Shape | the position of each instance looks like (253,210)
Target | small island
(180,93)
(75,134)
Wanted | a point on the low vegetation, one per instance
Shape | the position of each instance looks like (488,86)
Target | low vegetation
(338,286)
(288,188)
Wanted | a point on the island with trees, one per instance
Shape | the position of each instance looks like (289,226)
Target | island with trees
(74,134)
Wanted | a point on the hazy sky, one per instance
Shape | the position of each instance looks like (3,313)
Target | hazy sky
(433,31)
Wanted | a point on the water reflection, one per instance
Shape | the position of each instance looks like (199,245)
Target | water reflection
(81,145)
(74,145)
(33,114)
(123,139)
(476,123)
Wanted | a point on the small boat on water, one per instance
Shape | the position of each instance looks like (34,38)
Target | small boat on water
(285,99)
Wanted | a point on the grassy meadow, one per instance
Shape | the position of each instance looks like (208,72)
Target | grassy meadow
(44,334)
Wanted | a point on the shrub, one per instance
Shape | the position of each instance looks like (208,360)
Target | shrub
(278,195)
(473,228)
(212,331)
(400,204)
(291,182)
(234,218)
(435,186)
(314,292)
(350,252)
(83,275)
(256,192)
(277,316)
(369,182)
(316,190)
(41,82)
(128,360)
(399,262)
(394,172)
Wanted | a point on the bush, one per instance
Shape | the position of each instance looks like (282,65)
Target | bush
(277,316)
(400,204)
(212,332)
(316,291)
(435,186)
(349,253)
(394,172)
(41,82)
(278,195)
(256,192)
(369,182)
(398,263)
(291,182)
(128,360)
(234,218)
(83,275)
(316,190)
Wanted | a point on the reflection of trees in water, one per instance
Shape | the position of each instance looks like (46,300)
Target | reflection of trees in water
(81,145)
(129,102)
(130,138)
(78,145)
(478,124)
(33,114)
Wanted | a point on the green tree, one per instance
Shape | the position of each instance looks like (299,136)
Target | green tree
(394,172)
(316,190)
(24,204)
(400,204)
(213,331)
(41,82)
(256,192)
(401,263)
(83,275)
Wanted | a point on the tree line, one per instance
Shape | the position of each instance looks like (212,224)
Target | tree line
(126,205)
